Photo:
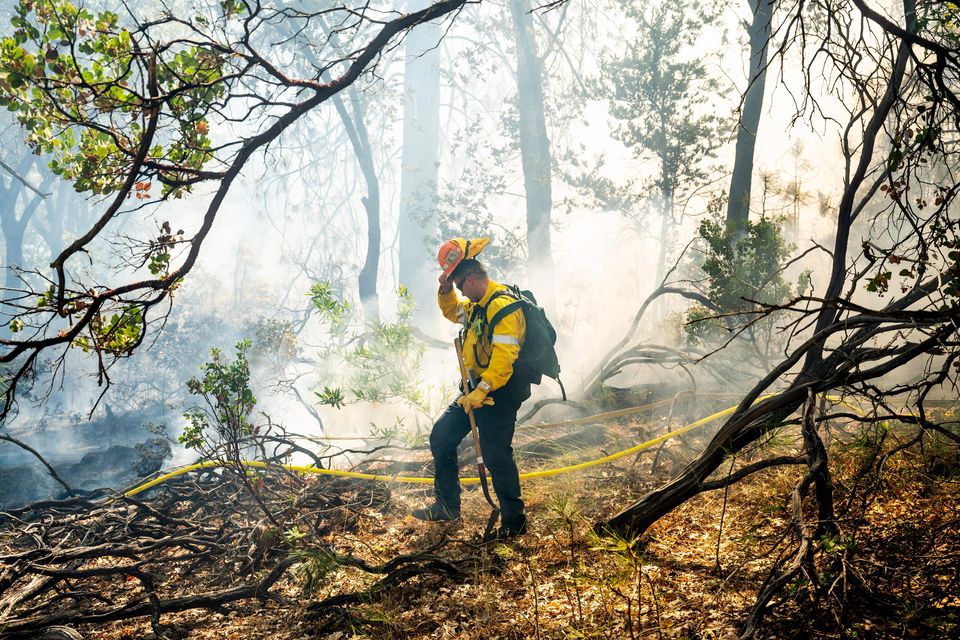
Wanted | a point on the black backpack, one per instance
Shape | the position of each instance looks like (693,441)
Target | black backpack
(538,357)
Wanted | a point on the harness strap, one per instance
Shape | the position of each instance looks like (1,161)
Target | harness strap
(497,317)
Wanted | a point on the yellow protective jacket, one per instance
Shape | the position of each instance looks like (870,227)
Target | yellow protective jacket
(489,359)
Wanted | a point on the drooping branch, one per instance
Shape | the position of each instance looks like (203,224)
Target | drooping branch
(596,377)
(751,421)
(84,308)
(152,116)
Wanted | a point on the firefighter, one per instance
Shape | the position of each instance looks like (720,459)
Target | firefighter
(495,395)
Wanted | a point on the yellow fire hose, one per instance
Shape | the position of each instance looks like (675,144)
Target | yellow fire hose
(254,464)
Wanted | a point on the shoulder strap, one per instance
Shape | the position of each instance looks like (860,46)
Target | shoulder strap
(501,314)
(499,293)
(493,296)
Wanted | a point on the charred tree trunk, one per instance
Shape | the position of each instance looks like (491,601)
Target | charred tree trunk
(749,423)
(738,203)
(534,151)
(418,166)
(846,209)
(818,471)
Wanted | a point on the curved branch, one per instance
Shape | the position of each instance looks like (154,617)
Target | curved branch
(53,472)
(94,302)
(153,114)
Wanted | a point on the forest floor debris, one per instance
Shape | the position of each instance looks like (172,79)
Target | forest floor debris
(352,564)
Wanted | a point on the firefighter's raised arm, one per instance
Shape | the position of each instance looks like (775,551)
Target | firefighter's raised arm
(452,306)
(451,254)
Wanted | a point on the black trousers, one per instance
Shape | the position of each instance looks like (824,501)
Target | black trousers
(495,425)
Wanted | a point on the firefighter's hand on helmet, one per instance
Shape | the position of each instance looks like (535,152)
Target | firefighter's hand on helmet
(446,284)
(474,400)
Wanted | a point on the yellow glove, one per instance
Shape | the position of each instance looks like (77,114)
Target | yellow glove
(474,400)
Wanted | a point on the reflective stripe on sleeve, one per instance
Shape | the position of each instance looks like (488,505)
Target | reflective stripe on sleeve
(461,316)
(505,339)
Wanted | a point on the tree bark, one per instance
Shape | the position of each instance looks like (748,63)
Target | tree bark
(666,227)
(534,151)
(845,210)
(738,202)
(749,423)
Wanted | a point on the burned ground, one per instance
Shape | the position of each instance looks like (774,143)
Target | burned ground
(197,559)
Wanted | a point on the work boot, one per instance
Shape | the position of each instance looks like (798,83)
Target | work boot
(436,513)
(506,532)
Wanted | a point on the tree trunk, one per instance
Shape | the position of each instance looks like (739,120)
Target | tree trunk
(357,132)
(738,203)
(534,151)
(739,431)
(418,167)
(666,225)
(818,374)
(15,227)
(845,210)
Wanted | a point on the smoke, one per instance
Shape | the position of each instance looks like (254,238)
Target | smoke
(297,217)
